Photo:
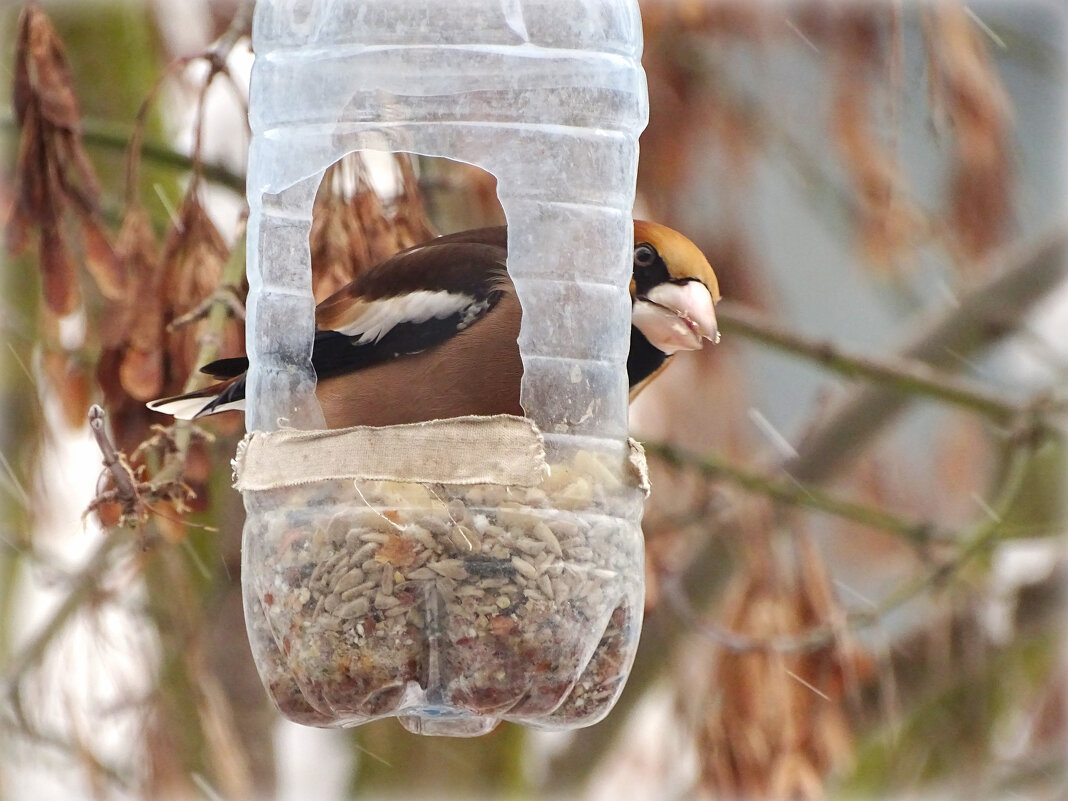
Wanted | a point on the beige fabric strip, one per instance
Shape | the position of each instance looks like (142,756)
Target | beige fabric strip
(502,449)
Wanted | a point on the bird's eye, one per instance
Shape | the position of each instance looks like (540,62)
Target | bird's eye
(644,256)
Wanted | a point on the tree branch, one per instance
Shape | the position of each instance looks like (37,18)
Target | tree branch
(85,581)
(1024,275)
(792,492)
(978,539)
(899,374)
(112,136)
(81,586)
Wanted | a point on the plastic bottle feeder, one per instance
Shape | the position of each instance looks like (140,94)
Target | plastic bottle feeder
(458,572)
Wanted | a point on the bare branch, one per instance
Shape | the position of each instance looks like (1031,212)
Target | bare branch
(982,319)
(226,295)
(895,373)
(121,473)
(112,136)
(135,497)
(1024,276)
(82,584)
(786,490)
(971,543)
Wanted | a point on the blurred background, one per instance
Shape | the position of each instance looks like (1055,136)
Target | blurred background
(855,545)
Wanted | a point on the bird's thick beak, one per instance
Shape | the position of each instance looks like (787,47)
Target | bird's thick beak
(676,317)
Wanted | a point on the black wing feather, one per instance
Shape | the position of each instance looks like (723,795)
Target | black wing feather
(469,261)
(226,368)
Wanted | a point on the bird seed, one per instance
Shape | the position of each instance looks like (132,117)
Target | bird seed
(517,604)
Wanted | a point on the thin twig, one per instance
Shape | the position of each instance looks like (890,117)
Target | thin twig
(216,60)
(978,540)
(82,584)
(113,136)
(137,133)
(1024,276)
(221,311)
(226,295)
(134,497)
(240,26)
(907,376)
(121,474)
(785,490)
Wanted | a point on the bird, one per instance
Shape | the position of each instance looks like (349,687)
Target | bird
(431,332)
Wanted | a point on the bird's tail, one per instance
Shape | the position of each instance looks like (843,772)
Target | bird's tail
(222,397)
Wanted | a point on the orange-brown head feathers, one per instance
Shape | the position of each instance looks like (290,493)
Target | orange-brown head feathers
(683,259)
(673,292)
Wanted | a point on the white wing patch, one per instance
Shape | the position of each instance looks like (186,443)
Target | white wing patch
(189,408)
(379,317)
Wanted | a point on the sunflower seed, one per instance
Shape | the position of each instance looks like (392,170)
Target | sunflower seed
(524,567)
(449,568)
(349,580)
(354,608)
(374,536)
(545,534)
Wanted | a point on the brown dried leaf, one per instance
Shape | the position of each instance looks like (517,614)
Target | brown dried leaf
(136,255)
(338,250)
(770,734)
(38,203)
(101,260)
(139,339)
(108,514)
(410,223)
(47,111)
(697,118)
(199,467)
(740,21)
(373,224)
(34,193)
(59,282)
(52,171)
(42,77)
(967,89)
(16,230)
(352,229)
(141,373)
(396,551)
(889,222)
(194,254)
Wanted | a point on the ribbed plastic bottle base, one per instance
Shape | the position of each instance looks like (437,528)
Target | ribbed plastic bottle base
(448,722)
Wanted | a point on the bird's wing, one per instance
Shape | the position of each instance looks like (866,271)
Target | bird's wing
(226,368)
(414,301)
(410,303)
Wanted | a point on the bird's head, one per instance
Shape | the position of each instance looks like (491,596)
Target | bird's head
(674,290)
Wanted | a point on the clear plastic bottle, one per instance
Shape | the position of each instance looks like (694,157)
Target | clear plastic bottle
(550,97)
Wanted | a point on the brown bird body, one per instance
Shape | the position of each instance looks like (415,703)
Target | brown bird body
(436,383)
(431,332)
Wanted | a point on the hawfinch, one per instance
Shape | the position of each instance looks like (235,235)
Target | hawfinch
(431,332)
